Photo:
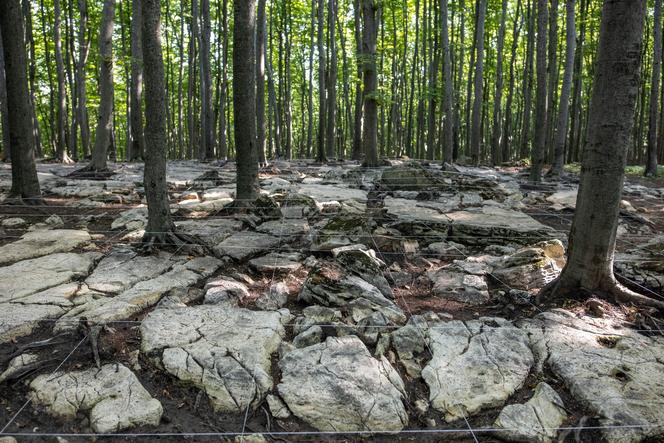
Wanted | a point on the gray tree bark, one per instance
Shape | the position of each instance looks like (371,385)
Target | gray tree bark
(528,84)
(207,111)
(105,119)
(357,113)
(537,159)
(651,158)
(507,137)
(25,184)
(331,125)
(4,111)
(563,109)
(260,80)
(322,102)
(370,74)
(496,152)
(137,144)
(592,241)
(61,106)
(476,137)
(244,100)
(80,73)
(448,99)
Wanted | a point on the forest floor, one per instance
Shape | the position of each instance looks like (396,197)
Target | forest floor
(393,304)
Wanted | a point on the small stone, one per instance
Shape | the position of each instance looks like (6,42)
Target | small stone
(18,365)
(250,438)
(310,337)
(225,291)
(422,406)
(274,299)
(13,222)
(277,407)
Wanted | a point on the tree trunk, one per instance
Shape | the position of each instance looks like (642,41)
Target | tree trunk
(448,99)
(537,160)
(136,89)
(159,214)
(479,77)
(207,112)
(575,120)
(552,68)
(563,110)
(528,84)
(321,157)
(4,111)
(244,100)
(593,235)
(651,159)
(27,14)
(105,119)
(61,106)
(25,184)
(370,127)
(507,138)
(260,80)
(357,123)
(82,96)
(331,125)
(223,136)
(310,102)
(496,152)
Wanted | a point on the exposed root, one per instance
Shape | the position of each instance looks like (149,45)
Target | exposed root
(91,173)
(14,200)
(623,295)
(172,240)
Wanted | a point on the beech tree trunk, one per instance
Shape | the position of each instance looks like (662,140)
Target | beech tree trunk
(537,159)
(331,126)
(4,112)
(563,110)
(476,137)
(260,80)
(136,146)
(244,100)
(357,114)
(25,184)
(528,84)
(610,129)
(207,112)
(370,126)
(80,73)
(496,152)
(321,157)
(651,157)
(448,99)
(61,106)
(105,119)
(508,136)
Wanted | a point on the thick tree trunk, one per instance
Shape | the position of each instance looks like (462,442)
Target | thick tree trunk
(357,114)
(223,136)
(476,137)
(159,215)
(370,127)
(25,184)
(563,110)
(261,24)
(136,146)
(244,100)
(331,125)
(448,99)
(496,152)
(4,111)
(105,119)
(651,158)
(593,235)
(61,106)
(207,112)
(537,160)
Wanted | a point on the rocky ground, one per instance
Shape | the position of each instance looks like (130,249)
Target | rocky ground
(397,303)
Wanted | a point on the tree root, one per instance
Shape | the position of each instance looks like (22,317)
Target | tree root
(623,295)
(14,200)
(172,240)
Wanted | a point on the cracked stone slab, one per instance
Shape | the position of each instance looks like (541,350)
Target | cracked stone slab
(222,350)
(123,268)
(450,284)
(615,372)
(111,396)
(246,244)
(289,229)
(39,243)
(142,295)
(44,272)
(475,365)
(210,231)
(338,386)
(536,421)
(277,262)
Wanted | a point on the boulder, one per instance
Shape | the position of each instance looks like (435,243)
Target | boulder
(407,178)
(246,244)
(533,267)
(462,287)
(338,386)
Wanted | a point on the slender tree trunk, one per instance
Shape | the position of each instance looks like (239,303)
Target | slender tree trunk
(136,89)
(496,152)
(207,113)
(159,214)
(357,123)
(651,160)
(223,136)
(288,112)
(331,125)
(180,102)
(191,85)
(61,108)
(592,241)
(32,76)
(310,102)
(370,127)
(409,131)
(507,137)
(322,102)
(82,100)
(4,111)
(537,161)
(25,184)
(552,68)
(260,80)
(528,84)
(448,99)
(575,120)
(105,120)
(479,76)
(244,100)
(563,110)
(433,82)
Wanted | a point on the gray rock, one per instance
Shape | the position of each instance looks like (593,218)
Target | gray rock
(277,262)
(112,396)
(338,386)
(13,223)
(40,243)
(277,407)
(18,365)
(246,244)
(465,288)
(274,299)
(612,370)
(365,265)
(123,268)
(131,220)
(310,337)
(210,231)
(533,267)
(475,365)
(287,229)
(225,291)
(222,350)
(408,178)
(536,421)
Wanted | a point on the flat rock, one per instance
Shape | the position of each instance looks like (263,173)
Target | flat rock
(131,220)
(338,386)
(112,397)
(222,350)
(536,421)
(614,371)
(531,268)
(246,244)
(325,193)
(476,365)
(450,284)
(39,243)
(210,231)
(277,262)
(289,229)
(565,199)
